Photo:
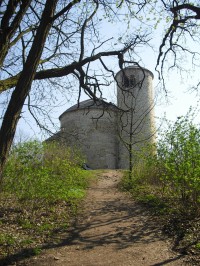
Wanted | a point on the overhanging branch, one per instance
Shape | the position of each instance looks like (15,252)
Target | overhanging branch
(60,72)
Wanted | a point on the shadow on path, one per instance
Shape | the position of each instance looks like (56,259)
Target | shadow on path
(105,220)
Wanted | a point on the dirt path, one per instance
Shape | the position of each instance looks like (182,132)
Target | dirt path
(113,230)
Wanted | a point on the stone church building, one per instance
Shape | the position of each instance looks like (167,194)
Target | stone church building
(104,132)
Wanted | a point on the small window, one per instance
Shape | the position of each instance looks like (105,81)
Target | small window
(128,81)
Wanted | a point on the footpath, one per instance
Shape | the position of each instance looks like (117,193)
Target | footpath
(112,230)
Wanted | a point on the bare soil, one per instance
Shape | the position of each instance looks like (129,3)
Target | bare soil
(111,230)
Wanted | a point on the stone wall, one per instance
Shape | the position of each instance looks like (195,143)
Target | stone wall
(102,132)
(93,131)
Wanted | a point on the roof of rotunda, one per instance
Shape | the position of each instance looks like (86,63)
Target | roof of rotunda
(90,104)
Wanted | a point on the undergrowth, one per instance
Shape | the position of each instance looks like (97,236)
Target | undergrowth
(42,188)
(168,182)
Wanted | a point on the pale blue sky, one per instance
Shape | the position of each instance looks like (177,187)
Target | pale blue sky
(179,98)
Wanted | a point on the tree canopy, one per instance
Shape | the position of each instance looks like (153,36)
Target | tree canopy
(44,41)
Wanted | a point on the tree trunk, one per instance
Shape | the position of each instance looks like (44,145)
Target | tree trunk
(130,160)
(10,21)
(23,86)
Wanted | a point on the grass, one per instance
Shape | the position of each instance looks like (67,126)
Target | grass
(32,228)
(147,194)
(181,224)
(37,204)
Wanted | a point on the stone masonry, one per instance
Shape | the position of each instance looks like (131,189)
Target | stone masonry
(102,130)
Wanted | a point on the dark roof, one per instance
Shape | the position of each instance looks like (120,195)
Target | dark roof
(90,104)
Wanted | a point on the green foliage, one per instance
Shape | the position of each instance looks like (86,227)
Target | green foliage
(43,184)
(27,242)
(36,251)
(7,239)
(37,171)
(168,182)
(178,160)
(143,187)
(173,171)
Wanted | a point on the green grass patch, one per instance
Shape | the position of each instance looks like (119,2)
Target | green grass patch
(42,189)
(145,193)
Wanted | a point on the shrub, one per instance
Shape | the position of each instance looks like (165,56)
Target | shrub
(179,161)
(40,171)
(173,171)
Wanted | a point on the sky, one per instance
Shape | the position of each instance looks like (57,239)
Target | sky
(179,97)
(177,103)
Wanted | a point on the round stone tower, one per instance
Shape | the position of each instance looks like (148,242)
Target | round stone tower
(136,125)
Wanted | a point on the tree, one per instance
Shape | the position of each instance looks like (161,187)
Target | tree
(23,85)
(136,125)
(181,36)
(46,40)
(39,40)
(181,24)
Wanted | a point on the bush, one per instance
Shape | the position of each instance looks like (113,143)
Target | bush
(40,171)
(179,161)
(174,170)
